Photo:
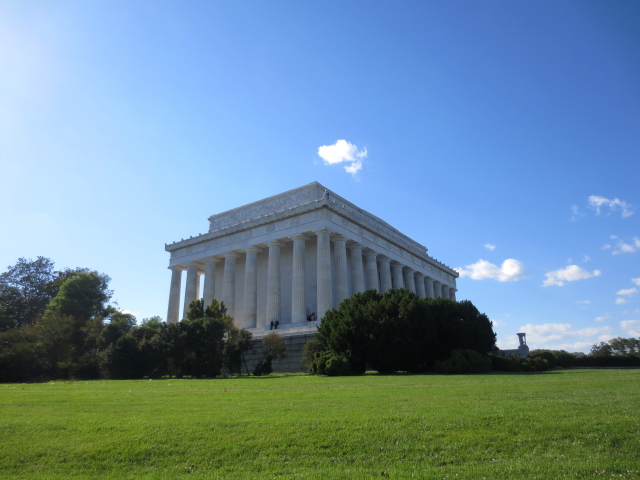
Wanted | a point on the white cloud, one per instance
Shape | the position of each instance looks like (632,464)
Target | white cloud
(568,274)
(575,213)
(511,270)
(605,247)
(620,301)
(597,202)
(604,317)
(583,302)
(497,323)
(343,151)
(631,327)
(553,332)
(489,246)
(636,280)
(629,292)
(627,247)
(574,347)
(586,258)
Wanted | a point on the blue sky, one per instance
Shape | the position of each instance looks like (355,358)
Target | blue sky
(494,132)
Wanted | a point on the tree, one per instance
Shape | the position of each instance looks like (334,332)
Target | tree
(616,347)
(273,349)
(309,351)
(82,297)
(27,287)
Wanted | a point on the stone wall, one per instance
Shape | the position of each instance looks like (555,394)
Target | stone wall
(291,364)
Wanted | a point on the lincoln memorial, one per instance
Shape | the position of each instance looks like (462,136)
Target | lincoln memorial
(293,256)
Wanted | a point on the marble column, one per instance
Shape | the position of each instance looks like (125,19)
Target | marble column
(372,270)
(174,295)
(229,284)
(398,281)
(192,289)
(420,285)
(429,287)
(409,280)
(298,279)
(357,271)
(209,290)
(445,291)
(342,278)
(250,303)
(437,289)
(325,289)
(273,283)
(452,294)
(385,274)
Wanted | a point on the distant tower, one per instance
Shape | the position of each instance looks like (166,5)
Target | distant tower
(523,349)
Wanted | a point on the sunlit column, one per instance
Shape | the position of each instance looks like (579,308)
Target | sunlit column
(437,289)
(342,278)
(428,282)
(174,295)
(357,271)
(325,294)
(420,285)
(229,283)
(372,270)
(298,300)
(192,288)
(452,294)
(385,274)
(445,291)
(273,283)
(209,289)
(398,280)
(409,280)
(251,287)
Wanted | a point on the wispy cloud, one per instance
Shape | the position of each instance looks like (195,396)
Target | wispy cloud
(511,270)
(598,202)
(553,332)
(631,327)
(603,318)
(629,292)
(621,301)
(583,302)
(569,274)
(575,213)
(489,246)
(343,151)
(623,247)
(636,280)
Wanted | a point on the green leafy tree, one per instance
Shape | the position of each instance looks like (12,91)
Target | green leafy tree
(309,351)
(26,289)
(82,297)
(616,347)
(273,349)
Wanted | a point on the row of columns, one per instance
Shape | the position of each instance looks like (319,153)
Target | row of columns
(391,275)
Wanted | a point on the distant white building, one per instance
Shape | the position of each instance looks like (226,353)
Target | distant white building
(293,256)
(522,351)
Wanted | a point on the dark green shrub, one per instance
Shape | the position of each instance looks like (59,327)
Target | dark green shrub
(463,361)
(263,367)
(319,365)
(338,367)
(565,360)
(309,350)
(547,355)
(540,364)
(503,364)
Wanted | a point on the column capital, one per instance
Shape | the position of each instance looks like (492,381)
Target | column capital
(275,243)
(339,238)
(395,263)
(355,246)
(370,253)
(213,259)
(420,274)
(230,254)
(299,236)
(252,249)
(409,269)
(323,231)
(384,258)
(178,268)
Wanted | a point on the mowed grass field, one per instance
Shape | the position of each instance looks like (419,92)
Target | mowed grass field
(563,424)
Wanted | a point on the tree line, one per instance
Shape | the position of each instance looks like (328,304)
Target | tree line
(59,324)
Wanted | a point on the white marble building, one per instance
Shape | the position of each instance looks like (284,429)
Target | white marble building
(298,252)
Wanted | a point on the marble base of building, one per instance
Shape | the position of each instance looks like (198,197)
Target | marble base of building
(291,364)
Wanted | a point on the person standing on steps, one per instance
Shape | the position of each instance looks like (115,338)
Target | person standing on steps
(277,323)
(271,327)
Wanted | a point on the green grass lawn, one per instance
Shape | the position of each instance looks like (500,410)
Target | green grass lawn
(571,424)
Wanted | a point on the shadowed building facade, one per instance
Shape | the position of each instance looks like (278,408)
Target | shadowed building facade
(293,256)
